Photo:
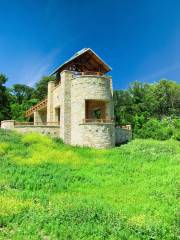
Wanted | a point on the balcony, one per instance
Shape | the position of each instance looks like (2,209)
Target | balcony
(35,124)
(98,121)
(90,73)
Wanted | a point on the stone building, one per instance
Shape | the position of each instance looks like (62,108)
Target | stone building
(80,100)
(79,103)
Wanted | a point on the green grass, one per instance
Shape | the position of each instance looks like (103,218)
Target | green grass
(54,191)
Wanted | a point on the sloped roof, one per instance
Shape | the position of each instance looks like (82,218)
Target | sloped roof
(93,59)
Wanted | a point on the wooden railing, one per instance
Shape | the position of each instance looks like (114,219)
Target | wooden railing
(37,123)
(94,120)
(88,73)
(38,106)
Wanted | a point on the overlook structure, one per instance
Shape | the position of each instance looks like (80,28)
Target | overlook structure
(81,101)
(79,105)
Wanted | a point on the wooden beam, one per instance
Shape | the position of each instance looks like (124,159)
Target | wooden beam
(36,107)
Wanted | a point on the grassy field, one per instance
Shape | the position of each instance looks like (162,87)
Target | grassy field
(53,191)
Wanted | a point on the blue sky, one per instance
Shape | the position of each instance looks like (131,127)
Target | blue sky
(139,39)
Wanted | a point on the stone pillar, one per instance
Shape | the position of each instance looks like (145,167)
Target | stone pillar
(51,86)
(110,85)
(7,124)
(37,118)
(65,115)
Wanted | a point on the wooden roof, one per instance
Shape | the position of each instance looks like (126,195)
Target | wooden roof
(84,60)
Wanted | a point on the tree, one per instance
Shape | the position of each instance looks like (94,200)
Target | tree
(122,107)
(167,94)
(142,101)
(5,112)
(22,93)
(41,87)
(22,98)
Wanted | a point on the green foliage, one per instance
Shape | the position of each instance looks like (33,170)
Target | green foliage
(158,129)
(41,87)
(5,112)
(176,129)
(123,107)
(153,129)
(167,94)
(15,101)
(21,93)
(142,100)
(54,191)
(22,98)
(18,110)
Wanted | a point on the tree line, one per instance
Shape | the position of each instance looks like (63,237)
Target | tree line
(142,101)
(139,105)
(14,101)
(153,110)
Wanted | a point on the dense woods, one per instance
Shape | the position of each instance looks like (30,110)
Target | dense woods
(14,101)
(142,101)
(153,110)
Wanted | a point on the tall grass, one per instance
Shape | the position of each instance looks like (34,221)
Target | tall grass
(54,191)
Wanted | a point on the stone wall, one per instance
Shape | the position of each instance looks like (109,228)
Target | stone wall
(53,131)
(88,88)
(7,124)
(98,135)
(122,135)
(57,96)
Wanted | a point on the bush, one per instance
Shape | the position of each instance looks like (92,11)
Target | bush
(160,130)
(176,129)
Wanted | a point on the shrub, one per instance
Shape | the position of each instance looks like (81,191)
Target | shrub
(176,129)
(160,130)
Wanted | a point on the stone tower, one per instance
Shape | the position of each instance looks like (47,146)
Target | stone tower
(81,101)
